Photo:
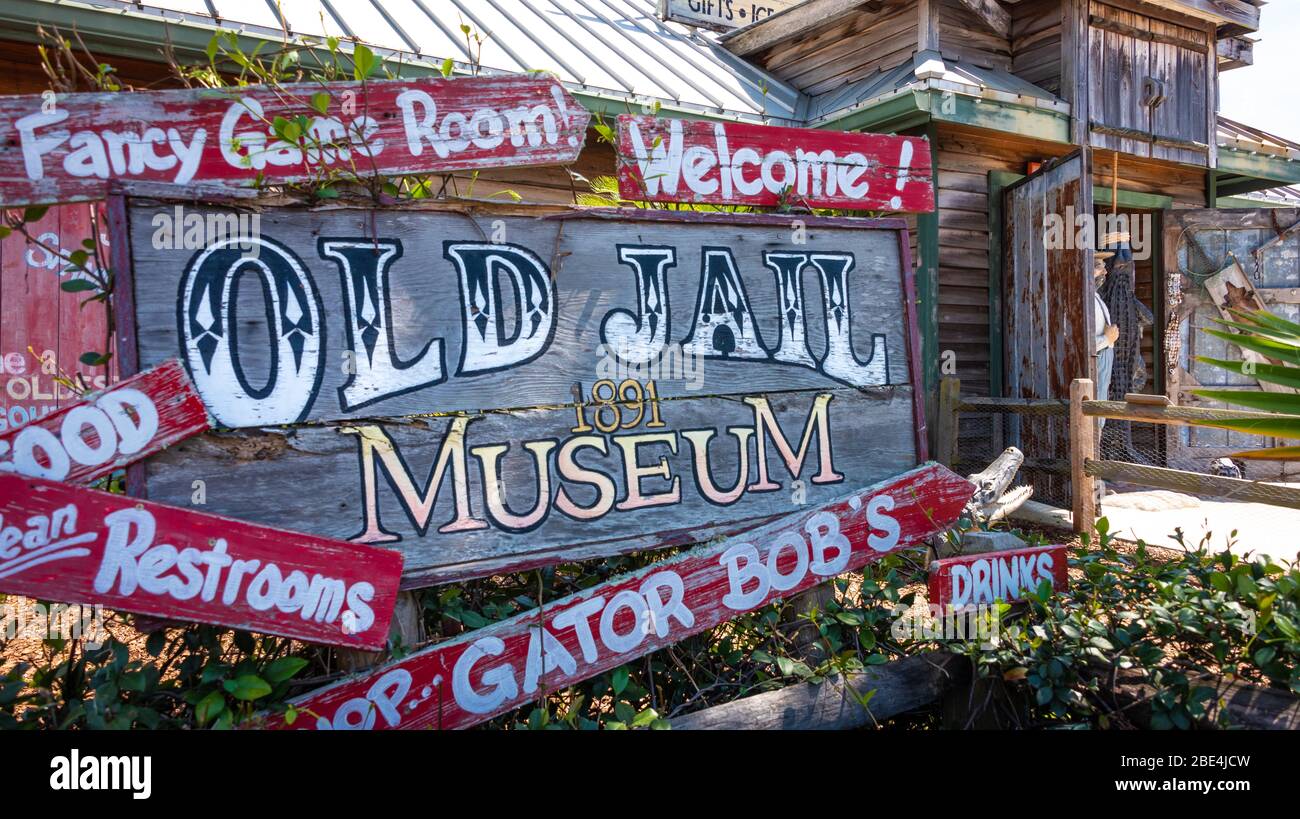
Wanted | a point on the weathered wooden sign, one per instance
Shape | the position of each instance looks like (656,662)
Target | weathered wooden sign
(722,15)
(44,329)
(67,543)
(671,160)
(484,673)
(106,431)
(602,380)
(61,148)
(973,580)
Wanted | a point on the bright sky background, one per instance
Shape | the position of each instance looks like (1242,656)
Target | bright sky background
(1264,95)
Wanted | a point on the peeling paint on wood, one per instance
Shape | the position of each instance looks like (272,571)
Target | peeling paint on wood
(105,431)
(69,148)
(673,160)
(588,382)
(66,543)
(979,580)
(479,675)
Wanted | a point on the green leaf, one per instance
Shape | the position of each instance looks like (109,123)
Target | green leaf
(1272,373)
(284,668)
(1272,349)
(644,718)
(77,285)
(35,213)
(94,359)
(211,50)
(247,687)
(620,678)
(448,66)
(320,102)
(1282,428)
(1282,402)
(1220,581)
(209,707)
(1277,453)
(363,61)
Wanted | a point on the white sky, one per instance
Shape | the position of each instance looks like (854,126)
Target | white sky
(1264,95)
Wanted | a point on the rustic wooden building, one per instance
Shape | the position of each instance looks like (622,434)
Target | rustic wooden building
(998,87)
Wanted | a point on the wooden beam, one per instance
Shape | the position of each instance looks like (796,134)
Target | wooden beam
(1235,52)
(1224,12)
(788,25)
(927,33)
(1172,414)
(1195,483)
(835,704)
(991,14)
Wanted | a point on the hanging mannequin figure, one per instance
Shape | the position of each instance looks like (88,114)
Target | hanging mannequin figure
(1131,316)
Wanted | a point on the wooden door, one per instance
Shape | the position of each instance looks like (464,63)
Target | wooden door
(1048,297)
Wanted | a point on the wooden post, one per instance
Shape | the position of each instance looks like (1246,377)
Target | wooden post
(947,426)
(1083,445)
(407,624)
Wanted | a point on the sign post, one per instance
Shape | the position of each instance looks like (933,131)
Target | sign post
(978,580)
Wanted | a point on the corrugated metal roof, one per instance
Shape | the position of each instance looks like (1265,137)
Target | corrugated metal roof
(1233,134)
(617,48)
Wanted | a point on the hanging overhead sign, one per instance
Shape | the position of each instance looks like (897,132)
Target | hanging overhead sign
(68,543)
(722,15)
(106,431)
(65,147)
(981,579)
(474,677)
(730,163)
(587,382)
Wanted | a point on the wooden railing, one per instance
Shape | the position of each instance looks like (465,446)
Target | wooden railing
(1085,469)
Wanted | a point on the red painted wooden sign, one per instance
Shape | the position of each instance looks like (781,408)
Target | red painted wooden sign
(730,163)
(972,580)
(106,431)
(66,148)
(67,543)
(43,329)
(484,673)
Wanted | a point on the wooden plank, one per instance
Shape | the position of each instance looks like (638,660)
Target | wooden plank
(956,583)
(105,431)
(721,15)
(788,25)
(1172,414)
(991,14)
(835,704)
(81,545)
(1196,483)
(220,136)
(693,301)
(696,161)
(478,494)
(476,676)
(723,374)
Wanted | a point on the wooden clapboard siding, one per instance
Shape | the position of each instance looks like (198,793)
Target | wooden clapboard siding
(963,36)
(847,49)
(1184,183)
(1036,43)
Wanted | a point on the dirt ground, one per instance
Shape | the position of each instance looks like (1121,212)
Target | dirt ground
(1154,516)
